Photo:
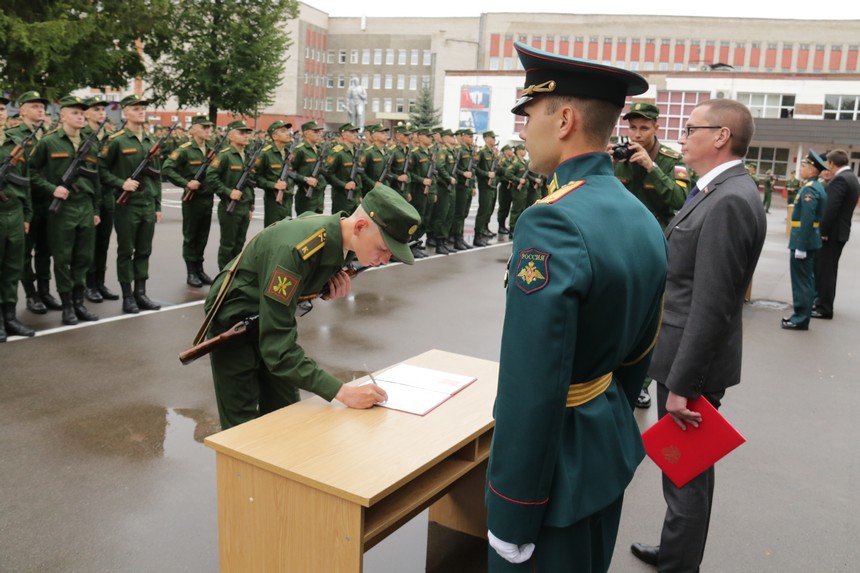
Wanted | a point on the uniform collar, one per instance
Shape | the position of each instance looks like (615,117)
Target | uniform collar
(582,166)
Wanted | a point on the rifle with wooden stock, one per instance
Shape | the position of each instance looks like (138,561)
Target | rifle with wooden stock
(286,172)
(201,171)
(145,165)
(245,178)
(15,156)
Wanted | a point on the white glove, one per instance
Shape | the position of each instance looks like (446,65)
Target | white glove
(509,551)
(798,254)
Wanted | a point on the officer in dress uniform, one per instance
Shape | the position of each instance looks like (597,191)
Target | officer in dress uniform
(71,225)
(292,259)
(181,166)
(305,158)
(805,240)
(16,210)
(582,311)
(272,161)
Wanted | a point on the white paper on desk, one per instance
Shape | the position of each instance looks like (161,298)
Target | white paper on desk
(418,390)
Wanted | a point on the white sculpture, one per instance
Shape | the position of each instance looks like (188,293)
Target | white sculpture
(356,99)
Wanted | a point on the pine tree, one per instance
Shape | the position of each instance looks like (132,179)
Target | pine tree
(424,114)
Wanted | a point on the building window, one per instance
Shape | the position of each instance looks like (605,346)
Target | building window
(509,63)
(401,82)
(389,81)
(306,78)
(377,57)
(413,82)
(341,82)
(374,105)
(494,62)
(353,57)
(522,38)
(401,57)
(329,81)
(411,106)
(675,108)
(365,81)
(365,56)
(841,107)
(329,104)
(428,58)
(400,106)
(341,104)
(413,57)
(425,82)
(341,57)
(330,59)
(768,105)
(774,158)
(386,105)
(389,57)
(377,81)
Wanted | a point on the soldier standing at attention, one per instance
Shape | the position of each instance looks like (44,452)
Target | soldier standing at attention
(398,176)
(135,221)
(581,316)
(486,189)
(805,241)
(96,290)
(260,373)
(36,249)
(338,168)
(516,176)
(305,157)
(222,177)
(197,198)
(504,188)
(71,228)
(422,188)
(374,156)
(791,187)
(655,174)
(768,189)
(15,214)
(440,220)
(465,189)
(272,161)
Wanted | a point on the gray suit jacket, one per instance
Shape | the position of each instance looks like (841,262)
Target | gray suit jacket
(714,244)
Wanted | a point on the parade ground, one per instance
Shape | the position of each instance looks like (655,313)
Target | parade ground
(103,467)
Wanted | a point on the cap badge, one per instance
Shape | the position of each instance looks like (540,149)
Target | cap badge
(540,88)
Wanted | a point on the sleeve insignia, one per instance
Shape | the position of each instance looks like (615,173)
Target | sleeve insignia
(128,150)
(175,155)
(337,148)
(216,162)
(312,244)
(195,163)
(59,156)
(532,271)
(807,198)
(681,173)
(282,285)
(553,197)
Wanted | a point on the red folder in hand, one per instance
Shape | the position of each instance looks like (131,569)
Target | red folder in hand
(683,455)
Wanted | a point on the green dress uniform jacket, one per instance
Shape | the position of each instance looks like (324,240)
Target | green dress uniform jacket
(791,187)
(517,169)
(442,211)
(268,174)
(398,165)
(663,189)
(465,188)
(281,264)
(583,304)
(180,168)
(222,177)
(373,162)
(105,211)
(420,164)
(14,212)
(71,232)
(305,158)
(338,168)
(806,216)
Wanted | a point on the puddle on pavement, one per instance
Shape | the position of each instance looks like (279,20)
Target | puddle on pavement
(770,304)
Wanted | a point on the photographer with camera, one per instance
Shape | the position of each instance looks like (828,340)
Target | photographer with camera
(654,173)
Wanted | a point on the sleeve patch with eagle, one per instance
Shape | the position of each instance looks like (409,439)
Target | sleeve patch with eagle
(532,270)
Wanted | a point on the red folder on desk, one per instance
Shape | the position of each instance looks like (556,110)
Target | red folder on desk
(683,455)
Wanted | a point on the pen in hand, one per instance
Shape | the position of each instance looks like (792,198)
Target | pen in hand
(373,381)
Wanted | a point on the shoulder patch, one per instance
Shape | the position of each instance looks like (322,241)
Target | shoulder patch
(175,155)
(282,285)
(669,152)
(216,162)
(312,244)
(553,197)
(337,148)
(115,135)
(300,145)
(532,270)
(184,145)
(681,173)
(267,148)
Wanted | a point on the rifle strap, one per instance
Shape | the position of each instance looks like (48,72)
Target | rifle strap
(222,294)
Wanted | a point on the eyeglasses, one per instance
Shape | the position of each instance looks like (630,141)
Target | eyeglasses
(688,130)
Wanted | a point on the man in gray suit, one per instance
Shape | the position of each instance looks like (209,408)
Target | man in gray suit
(714,244)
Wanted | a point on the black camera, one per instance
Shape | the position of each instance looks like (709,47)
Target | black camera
(621,151)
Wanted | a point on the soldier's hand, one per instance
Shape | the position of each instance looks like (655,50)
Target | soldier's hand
(491,175)
(340,285)
(61,193)
(409,197)
(402,178)
(609,148)
(640,156)
(349,186)
(96,220)
(158,216)
(311,181)
(26,228)
(453,180)
(435,198)
(361,397)
(280,185)
(467,174)
(427,182)
(130,185)
(676,406)
(522,181)
(193,185)
(236,195)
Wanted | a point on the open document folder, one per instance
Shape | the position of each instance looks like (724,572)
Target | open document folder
(683,455)
(418,390)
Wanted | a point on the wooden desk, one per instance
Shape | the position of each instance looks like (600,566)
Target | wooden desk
(311,487)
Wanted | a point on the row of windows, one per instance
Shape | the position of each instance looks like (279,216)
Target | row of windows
(539,40)
(376,82)
(400,57)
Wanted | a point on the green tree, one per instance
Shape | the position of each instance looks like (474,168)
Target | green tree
(424,114)
(225,54)
(57,47)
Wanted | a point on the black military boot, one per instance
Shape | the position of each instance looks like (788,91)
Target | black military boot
(503,230)
(480,241)
(431,241)
(92,293)
(34,303)
(13,327)
(44,290)
(143,301)
(129,306)
(78,304)
(459,243)
(106,293)
(468,246)
(2,330)
(67,308)
(192,280)
(441,249)
(201,274)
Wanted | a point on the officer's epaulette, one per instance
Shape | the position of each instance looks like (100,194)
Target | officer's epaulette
(391,148)
(669,152)
(113,136)
(300,145)
(184,145)
(312,244)
(553,197)
(808,183)
(337,148)
(224,149)
(267,148)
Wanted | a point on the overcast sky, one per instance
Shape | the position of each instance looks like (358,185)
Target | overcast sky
(725,8)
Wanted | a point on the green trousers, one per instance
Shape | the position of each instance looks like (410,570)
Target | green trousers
(802,286)
(518,204)
(36,249)
(11,249)
(486,204)
(314,203)
(584,547)
(234,229)
(101,244)
(440,218)
(420,202)
(71,237)
(274,212)
(462,204)
(196,223)
(341,202)
(135,228)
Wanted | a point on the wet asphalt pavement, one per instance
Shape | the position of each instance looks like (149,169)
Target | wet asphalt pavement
(103,466)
